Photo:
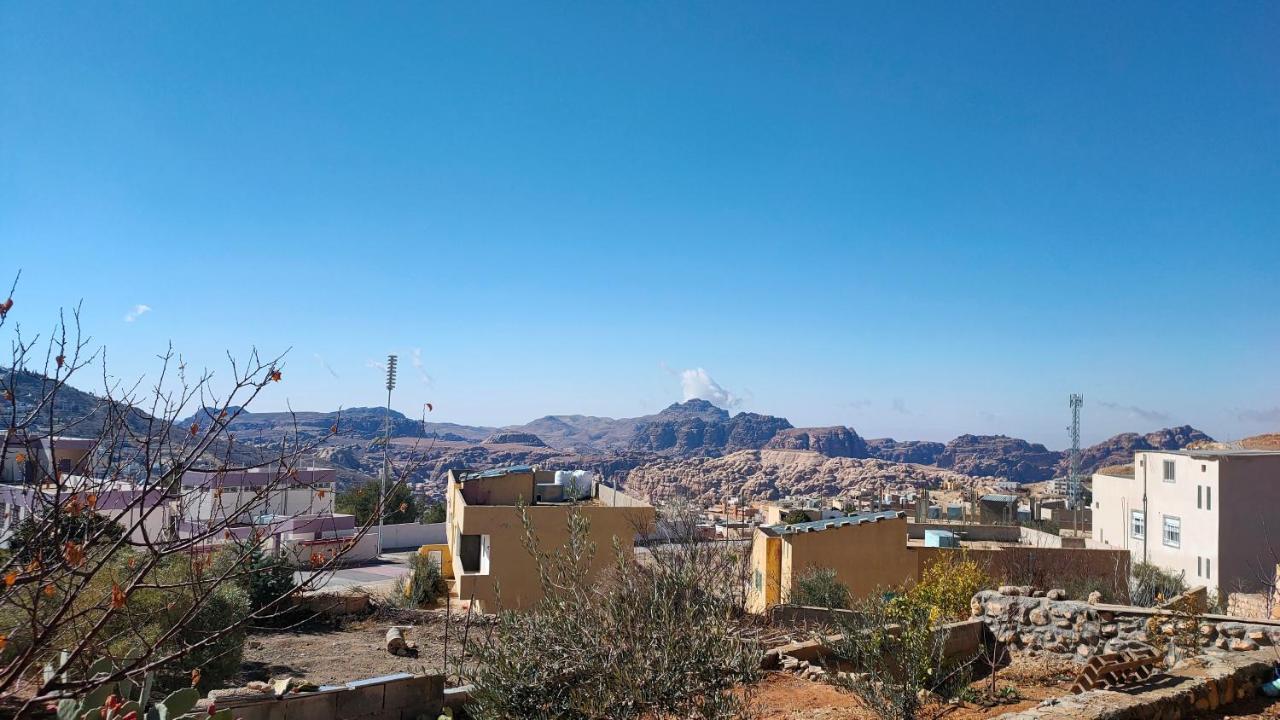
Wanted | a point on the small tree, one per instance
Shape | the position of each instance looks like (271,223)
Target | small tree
(795,516)
(818,587)
(949,583)
(362,502)
(433,513)
(891,644)
(425,584)
(653,640)
(34,538)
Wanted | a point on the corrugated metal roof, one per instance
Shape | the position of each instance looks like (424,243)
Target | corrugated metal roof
(1000,498)
(858,519)
(496,472)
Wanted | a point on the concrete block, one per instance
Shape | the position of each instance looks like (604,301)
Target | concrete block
(360,701)
(267,710)
(312,706)
(422,691)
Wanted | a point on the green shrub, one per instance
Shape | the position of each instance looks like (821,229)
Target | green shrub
(949,583)
(1150,584)
(894,652)
(818,587)
(426,583)
(265,578)
(795,516)
(362,502)
(433,513)
(653,640)
(46,538)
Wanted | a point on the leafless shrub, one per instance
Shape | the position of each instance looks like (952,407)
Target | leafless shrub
(140,589)
(653,639)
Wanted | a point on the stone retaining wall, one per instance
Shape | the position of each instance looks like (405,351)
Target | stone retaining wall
(1198,685)
(1023,619)
(394,697)
(1251,605)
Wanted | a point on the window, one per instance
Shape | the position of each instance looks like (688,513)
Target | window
(1199,568)
(1172,531)
(1208,498)
(1168,471)
(1199,497)
(1206,567)
(1204,468)
(1138,524)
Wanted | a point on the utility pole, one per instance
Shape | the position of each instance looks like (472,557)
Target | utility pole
(386,445)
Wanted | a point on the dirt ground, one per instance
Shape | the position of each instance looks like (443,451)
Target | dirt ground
(353,650)
(784,696)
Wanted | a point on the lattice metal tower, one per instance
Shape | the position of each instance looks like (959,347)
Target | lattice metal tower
(1073,478)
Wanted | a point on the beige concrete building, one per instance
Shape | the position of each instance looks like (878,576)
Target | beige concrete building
(878,551)
(486,535)
(868,551)
(1209,514)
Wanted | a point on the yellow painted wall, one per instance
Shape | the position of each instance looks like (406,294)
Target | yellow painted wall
(765,582)
(512,573)
(868,557)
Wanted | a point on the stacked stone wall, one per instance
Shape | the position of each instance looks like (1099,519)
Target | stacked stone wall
(1026,620)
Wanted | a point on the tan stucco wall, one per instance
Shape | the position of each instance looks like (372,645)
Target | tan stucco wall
(875,556)
(764,586)
(512,572)
(866,557)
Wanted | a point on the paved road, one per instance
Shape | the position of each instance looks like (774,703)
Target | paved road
(374,576)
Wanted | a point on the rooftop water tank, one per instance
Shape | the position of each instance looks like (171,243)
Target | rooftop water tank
(577,483)
(940,539)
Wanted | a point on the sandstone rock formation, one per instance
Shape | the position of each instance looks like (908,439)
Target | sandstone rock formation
(510,437)
(999,456)
(773,474)
(1119,449)
(697,427)
(834,441)
(923,452)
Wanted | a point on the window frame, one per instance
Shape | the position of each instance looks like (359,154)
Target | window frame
(1164,530)
(1137,519)
(1169,471)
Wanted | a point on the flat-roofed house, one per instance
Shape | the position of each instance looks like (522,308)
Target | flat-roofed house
(1208,514)
(486,533)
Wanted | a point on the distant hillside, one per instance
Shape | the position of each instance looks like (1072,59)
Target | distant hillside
(640,449)
(1119,449)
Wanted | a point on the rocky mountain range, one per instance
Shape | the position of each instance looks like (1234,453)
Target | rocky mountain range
(755,453)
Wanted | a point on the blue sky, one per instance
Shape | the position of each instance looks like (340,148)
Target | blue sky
(917,221)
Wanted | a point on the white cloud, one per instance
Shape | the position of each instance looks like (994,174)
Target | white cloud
(137,312)
(416,359)
(698,383)
(375,365)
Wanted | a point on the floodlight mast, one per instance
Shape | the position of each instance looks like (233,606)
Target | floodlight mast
(386,444)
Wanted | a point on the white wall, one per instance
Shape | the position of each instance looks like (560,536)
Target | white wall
(1115,499)
(413,535)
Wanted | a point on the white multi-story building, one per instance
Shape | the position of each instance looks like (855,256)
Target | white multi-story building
(1208,514)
